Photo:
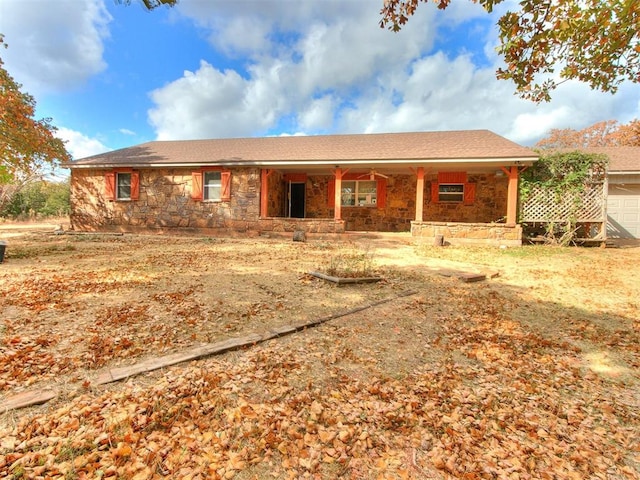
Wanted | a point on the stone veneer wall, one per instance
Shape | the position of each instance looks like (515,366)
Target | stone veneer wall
(490,204)
(165,202)
(469,233)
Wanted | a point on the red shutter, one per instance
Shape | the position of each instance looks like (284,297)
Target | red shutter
(452,177)
(381,192)
(469,193)
(331,193)
(435,190)
(196,185)
(225,180)
(110,185)
(135,185)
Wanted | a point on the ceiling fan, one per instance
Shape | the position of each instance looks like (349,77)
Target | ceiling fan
(372,175)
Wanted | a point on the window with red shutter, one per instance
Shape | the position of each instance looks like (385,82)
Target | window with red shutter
(225,177)
(110,185)
(469,193)
(196,185)
(452,187)
(135,185)
(122,184)
(331,193)
(211,184)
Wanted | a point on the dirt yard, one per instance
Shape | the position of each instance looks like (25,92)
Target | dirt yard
(533,374)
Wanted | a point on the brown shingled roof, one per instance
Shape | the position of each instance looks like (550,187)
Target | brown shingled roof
(621,159)
(471,145)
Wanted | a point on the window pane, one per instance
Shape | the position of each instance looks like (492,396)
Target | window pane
(367,187)
(348,193)
(212,186)
(124,186)
(451,193)
(367,192)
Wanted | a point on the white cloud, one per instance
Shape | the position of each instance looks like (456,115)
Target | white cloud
(326,66)
(64,42)
(126,131)
(79,145)
(207,103)
(318,114)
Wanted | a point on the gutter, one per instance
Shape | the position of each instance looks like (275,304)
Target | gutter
(302,164)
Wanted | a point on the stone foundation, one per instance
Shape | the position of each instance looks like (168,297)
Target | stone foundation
(497,234)
(307,225)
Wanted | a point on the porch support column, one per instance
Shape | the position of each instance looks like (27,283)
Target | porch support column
(337,209)
(264,192)
(512,194)
(419,193)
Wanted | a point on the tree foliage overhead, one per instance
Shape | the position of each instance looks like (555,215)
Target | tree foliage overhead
(151,4)
(27,145)
(608,133)
(545,43)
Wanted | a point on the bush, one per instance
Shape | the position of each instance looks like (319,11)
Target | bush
(39,200)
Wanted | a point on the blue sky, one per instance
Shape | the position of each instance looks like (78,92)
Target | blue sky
(111,75)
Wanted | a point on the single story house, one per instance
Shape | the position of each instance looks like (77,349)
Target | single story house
(623,191)
(458,184)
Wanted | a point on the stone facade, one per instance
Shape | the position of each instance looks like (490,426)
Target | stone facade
(490,203)
(469,233)
(165,203)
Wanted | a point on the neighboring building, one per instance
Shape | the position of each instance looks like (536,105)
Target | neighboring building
(460,184)
(623,193)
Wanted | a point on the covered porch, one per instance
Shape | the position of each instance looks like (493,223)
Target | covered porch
(462,202)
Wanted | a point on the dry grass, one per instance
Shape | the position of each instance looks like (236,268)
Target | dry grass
(554,341)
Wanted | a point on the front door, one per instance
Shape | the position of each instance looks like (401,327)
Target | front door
(296,200)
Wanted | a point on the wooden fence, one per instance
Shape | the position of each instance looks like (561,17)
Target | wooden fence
(586,208)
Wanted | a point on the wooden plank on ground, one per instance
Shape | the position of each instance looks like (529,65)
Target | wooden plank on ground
(472,277)
(27,399)
(195,353)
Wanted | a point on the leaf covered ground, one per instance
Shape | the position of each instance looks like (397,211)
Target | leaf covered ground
(530,375)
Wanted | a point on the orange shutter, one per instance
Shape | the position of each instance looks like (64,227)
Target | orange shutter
(435,190)
(452,177)
(135,185)
(110,185)
(381,192)
(331,193)
(196,185)
(469,193)
(225,180)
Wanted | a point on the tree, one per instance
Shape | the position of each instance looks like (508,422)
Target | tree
(27,146)
(628,135)
(151,4)
(594,41)
(602,134)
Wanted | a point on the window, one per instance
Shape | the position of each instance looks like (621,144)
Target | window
(450,193)
(359,193)
(354,192)
(212,186)
(453,187)
(123,186)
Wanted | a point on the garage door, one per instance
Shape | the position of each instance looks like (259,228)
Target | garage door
(623,211)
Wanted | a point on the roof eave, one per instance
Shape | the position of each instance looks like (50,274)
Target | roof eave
(306,163)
